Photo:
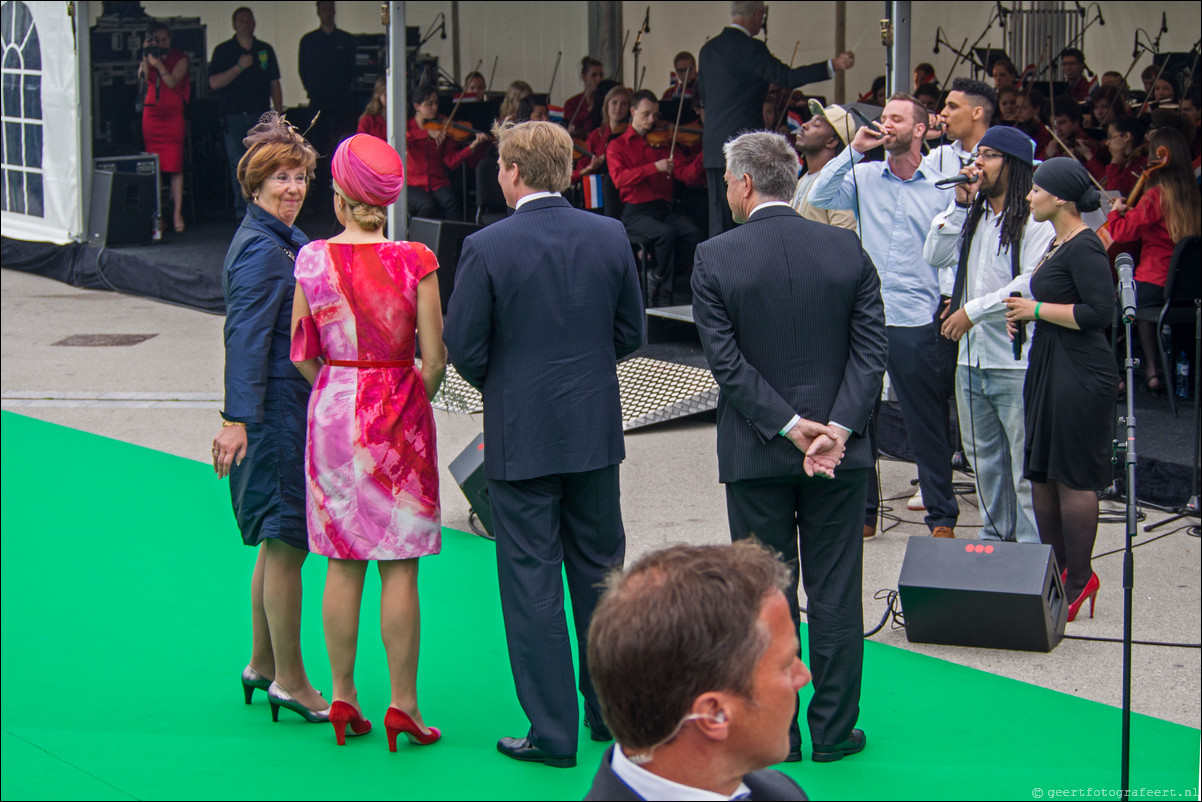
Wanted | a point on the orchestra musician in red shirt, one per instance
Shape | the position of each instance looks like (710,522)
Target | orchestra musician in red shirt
(430,154)
(643,175)
(577,110)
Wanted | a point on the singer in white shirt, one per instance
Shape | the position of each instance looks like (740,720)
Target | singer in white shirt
(991,369)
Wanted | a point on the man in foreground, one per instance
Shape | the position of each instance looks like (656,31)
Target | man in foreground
(795,338)
(697,710)
(545,303)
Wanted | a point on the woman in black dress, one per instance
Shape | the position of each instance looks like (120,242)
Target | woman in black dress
(1071,375)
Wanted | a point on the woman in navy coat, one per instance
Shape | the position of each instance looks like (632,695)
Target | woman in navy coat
(261,444)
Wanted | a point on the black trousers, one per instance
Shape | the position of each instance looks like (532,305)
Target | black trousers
(674,237)
(437,205)
(815,525)
(913,367)
(568,523)
(720,217)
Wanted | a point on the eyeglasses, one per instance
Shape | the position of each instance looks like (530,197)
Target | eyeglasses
(986,155)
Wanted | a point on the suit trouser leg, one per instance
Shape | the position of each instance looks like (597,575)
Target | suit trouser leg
(914,370)
(719,208)
(594,542)
(814,524)
(526,522)
(832,562)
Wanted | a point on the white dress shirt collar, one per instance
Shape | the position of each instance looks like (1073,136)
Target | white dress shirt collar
(652,786)
(765,205)
(536,196)
(740,27)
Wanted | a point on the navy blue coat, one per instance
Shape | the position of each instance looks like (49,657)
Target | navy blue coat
(258,282)
(263,389)
(545,303)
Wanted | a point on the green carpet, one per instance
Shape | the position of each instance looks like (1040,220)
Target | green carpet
(125,625)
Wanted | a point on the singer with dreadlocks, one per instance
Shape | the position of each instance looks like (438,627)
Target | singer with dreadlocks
(988,242)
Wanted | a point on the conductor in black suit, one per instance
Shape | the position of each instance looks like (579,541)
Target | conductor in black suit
(545,303)
(736,70)
(790,315)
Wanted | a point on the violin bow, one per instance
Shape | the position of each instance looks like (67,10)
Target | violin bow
(458,100)
(679,109)
(554,73)
(491,75)
(1069,152)
(788,95)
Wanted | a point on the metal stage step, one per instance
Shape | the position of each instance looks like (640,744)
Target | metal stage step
(652,391)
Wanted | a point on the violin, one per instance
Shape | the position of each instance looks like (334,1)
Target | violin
(1113,249)
(664,133)
(455,131)
(581,150)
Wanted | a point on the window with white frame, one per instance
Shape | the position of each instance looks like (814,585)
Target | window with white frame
(21,188)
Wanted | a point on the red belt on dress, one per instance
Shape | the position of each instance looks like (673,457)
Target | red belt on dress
(383,363)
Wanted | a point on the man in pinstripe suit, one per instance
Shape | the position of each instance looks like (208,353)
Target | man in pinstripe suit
(791,319)
(545,303)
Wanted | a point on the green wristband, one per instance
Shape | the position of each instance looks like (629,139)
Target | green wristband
(1037,309)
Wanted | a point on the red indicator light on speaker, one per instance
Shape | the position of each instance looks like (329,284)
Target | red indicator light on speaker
(968,548)
(979,549)
(989,549)
(480,447)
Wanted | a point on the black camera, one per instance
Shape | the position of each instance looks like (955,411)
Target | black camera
(153,50)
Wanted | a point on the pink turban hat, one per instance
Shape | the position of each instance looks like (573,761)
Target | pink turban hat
(368,170)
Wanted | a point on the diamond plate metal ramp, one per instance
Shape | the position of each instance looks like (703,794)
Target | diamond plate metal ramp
(652,391)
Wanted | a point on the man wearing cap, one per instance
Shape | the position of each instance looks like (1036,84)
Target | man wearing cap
(989,244)
(820,140)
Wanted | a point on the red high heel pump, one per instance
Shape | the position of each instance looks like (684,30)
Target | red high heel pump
(1090,592)
(344,713)
(398,721)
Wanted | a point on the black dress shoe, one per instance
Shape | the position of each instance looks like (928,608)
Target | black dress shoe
(827,754)
(599,732)
(522,749)
(794,756)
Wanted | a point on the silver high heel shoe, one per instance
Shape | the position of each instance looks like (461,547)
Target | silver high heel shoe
(252,679)
(278,697)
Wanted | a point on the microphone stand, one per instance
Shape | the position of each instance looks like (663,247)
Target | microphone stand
(1080,37)
(636,49)
(1126,452)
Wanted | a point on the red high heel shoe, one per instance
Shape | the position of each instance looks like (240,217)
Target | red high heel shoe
(398,721)
(344,713)
(1090,592)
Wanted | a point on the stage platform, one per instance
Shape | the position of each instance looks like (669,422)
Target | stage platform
(185,269)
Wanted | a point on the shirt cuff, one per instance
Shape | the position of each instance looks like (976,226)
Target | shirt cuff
(792,422)
(830,69)
(840,425)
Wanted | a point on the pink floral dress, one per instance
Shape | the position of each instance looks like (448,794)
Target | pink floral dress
(371,467)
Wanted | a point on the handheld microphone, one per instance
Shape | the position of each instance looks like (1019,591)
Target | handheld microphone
(1020,334)
(1164,26)
(1125,266)
(954,181)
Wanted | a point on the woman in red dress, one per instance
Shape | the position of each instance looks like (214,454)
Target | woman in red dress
(167,90)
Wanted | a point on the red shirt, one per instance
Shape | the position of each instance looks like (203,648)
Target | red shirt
(373,124)
(1081,89)
(1121,177)
(632,168)
(582,120)
(597,142)
(427,163)
(1146,225)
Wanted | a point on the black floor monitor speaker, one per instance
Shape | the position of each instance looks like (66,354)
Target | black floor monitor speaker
(123,208)
(984,593)
(445,238)
(468,472)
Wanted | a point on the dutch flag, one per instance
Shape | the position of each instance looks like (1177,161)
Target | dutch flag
(591,184)
(555,113)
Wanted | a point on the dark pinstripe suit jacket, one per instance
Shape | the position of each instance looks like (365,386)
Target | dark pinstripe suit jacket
(545,303)
(791,319)
(734,72)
